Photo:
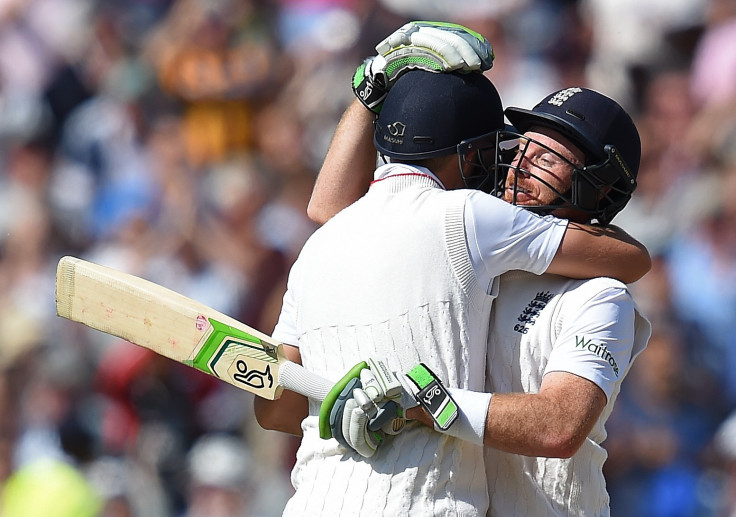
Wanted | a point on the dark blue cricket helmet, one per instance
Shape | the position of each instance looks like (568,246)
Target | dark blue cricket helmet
(607,135)
(428,115)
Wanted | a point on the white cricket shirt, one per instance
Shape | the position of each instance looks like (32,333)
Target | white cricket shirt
(408,272)
(590,328)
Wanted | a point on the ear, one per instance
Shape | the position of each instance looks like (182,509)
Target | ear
(471,156)
(469,160)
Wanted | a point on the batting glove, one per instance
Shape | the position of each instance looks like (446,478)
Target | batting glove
(419,386)
(363,407)
(338,395)
(370,403)
(431,46)
(456,412)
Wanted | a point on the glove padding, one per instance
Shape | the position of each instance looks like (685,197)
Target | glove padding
(431,46)
(349,421)
(436,47)
(333,396)
(366,409)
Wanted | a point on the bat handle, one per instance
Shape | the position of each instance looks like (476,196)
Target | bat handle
(294,377)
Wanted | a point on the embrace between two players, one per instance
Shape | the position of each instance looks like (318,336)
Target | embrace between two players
(430,277)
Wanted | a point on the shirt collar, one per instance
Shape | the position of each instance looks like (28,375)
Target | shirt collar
(403,170)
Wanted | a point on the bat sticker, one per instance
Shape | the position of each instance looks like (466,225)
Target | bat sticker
(225,347)
(252,378)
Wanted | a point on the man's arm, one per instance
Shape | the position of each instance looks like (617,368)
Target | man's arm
(553,423)
(418,45)
(555,420)
(592,251)
(586,251)
(286,413)
(348,167)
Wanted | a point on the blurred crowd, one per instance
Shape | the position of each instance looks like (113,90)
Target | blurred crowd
(179,140)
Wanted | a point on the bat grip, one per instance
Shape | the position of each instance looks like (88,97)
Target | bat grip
(294,377)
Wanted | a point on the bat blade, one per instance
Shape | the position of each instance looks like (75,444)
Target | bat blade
(184,330)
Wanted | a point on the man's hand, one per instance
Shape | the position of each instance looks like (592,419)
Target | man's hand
(436,47)
(349,381)
(363,407)
(370,402)
(431,46)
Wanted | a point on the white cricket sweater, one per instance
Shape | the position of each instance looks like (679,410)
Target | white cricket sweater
(391,276)
(592,329)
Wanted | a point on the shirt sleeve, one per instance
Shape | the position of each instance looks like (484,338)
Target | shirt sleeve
(502,237)
(597,340)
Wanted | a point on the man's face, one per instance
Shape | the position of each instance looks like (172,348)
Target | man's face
(551,162)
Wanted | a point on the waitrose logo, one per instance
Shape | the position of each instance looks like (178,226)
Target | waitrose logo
(598,349)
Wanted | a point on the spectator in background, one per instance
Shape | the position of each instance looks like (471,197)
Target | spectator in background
(220,471)
(638,38)
(707,300)
(216,59)
(659,431)
(713,67)
(51,488)
(671,172)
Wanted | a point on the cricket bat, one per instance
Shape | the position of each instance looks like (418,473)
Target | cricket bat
(182,329)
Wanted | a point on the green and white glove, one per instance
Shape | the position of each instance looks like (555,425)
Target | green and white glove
(370,402)
(360,410)
(340,392)
(419,45)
